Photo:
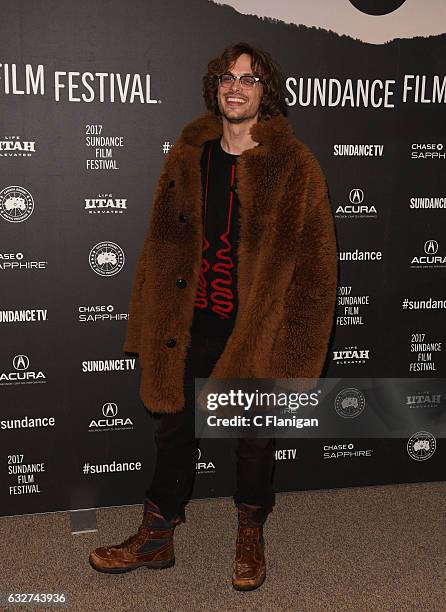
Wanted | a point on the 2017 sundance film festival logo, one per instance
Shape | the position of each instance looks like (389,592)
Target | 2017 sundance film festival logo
(421,446)
(424,349)
(16,204)
(106,258)
(350,307)
(349,403)
(21,375)
(24,474)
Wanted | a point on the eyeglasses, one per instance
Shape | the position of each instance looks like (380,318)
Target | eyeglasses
(246,80)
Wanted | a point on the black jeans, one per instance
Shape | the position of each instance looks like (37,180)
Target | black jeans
(177,445)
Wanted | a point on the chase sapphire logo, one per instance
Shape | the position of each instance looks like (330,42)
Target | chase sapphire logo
(377,7)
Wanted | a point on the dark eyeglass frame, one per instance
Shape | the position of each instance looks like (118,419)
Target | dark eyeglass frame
(234,78)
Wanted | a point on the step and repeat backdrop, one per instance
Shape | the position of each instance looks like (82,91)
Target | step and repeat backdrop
(92,97)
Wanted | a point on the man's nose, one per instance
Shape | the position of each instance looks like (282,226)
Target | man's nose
(235,86)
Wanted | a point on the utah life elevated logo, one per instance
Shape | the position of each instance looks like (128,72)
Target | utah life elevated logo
(14,146)
(21,375)
(105,204)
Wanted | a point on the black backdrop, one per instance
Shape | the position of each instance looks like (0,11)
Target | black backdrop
(64,307)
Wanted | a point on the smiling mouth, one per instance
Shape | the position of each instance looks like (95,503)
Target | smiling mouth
(234,101)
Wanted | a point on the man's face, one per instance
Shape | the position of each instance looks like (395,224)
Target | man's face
(237,103)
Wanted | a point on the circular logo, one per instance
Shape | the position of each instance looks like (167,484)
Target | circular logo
(377,7)
(20,362)
(421,446)
(109,409)
(106,258)
(16,204)
(349,403)
(430,247)
(356,196)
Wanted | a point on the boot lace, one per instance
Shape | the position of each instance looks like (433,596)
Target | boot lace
(136,540)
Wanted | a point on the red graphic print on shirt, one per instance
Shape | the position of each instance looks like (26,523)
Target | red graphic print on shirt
(216,291)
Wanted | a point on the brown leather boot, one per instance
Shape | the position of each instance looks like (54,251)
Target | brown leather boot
(151,546)
(249,568)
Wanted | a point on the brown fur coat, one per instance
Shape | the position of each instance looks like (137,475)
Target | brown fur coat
(287,270)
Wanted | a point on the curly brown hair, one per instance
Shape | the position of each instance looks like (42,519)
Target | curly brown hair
(262,65)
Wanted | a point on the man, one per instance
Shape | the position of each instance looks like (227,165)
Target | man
(236,279)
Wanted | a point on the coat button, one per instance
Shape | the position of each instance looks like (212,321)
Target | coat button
(182,217)
(171,342)
(172,183)
(181,283)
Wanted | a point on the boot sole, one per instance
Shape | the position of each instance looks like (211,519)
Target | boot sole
(249,587)
(123,570)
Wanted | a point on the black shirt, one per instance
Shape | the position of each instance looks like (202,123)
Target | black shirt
(217,283)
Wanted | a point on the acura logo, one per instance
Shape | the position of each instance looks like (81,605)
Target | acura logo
(109,409)
(356,196)
(430,247)
(20,362)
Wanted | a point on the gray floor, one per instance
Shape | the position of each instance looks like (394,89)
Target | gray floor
(360,549)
